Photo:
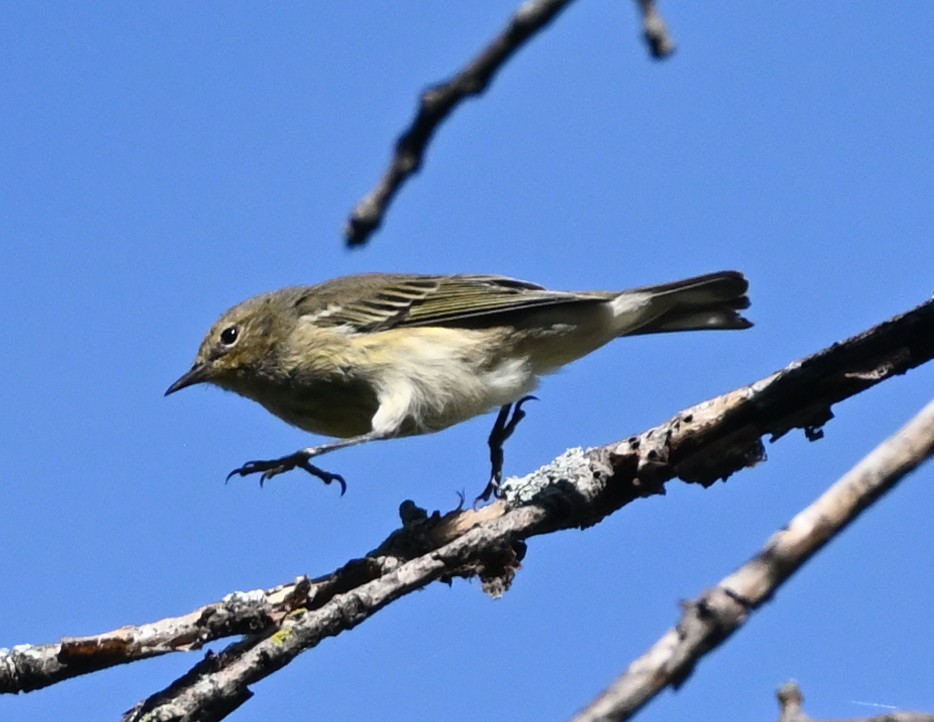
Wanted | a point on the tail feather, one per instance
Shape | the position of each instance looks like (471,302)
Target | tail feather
(712,301)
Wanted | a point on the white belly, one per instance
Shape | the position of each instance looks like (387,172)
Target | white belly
(434,378)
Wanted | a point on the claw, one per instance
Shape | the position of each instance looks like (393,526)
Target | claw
(274,467)
(326,476)
(492,489)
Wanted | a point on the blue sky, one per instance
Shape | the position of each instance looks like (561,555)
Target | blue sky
(162,162)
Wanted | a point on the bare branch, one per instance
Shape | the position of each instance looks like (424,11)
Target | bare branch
(716,614)
(29,667)
(701,444)
(436,103)
(790,699)
(655,31)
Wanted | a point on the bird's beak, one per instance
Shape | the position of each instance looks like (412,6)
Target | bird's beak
(196,375)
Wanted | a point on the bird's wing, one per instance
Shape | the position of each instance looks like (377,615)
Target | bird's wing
(378,302)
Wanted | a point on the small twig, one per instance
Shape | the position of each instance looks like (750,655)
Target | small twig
(436,103)
(790,699)
(716,614)
(655,31)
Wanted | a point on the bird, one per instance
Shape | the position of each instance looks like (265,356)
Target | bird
(379,356)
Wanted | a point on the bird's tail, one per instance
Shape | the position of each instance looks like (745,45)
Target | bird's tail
(701,303)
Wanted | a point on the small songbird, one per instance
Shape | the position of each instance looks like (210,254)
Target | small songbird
(379,356)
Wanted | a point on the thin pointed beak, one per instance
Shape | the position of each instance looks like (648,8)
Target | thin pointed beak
(196,375)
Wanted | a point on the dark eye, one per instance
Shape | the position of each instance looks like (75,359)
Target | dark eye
(229,335)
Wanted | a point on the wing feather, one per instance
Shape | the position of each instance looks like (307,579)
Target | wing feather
(376,302)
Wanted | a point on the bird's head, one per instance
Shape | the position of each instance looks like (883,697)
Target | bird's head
(240,347)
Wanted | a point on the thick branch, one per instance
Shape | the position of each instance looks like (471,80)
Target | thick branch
(716,614)
(702,444)
(436,103)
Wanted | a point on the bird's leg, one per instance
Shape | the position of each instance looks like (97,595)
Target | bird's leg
(300,460)
(502,430)
(495,442)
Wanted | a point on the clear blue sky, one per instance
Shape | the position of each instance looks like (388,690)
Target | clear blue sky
(161,162)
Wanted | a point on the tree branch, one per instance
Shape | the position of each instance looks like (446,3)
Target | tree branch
(717,613)
(439,101)
(700,445)
(655,31)
(436,103)
(790,699)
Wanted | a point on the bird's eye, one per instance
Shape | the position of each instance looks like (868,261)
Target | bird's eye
(230,335)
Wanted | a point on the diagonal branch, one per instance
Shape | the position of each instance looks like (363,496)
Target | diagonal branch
(709,441)
(439,101)
(436,103)
(717,613)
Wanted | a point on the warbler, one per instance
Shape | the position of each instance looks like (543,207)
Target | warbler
(380,356)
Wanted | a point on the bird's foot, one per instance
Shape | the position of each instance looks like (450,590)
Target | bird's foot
(493,489)
(298,460)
